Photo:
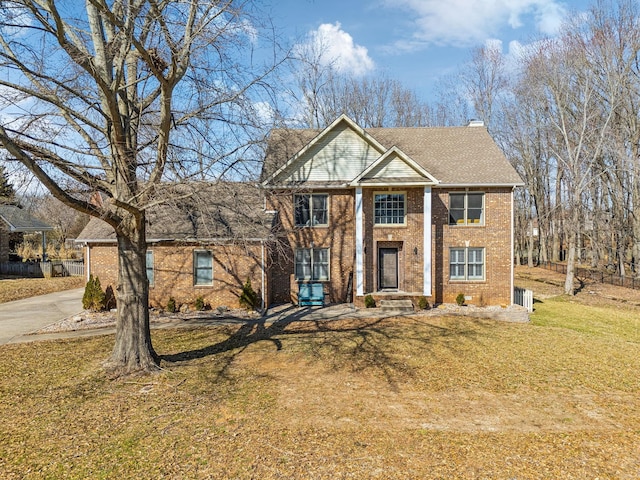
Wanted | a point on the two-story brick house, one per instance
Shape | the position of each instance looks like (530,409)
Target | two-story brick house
(393,212)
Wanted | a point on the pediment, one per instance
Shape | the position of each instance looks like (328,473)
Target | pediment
(394,166)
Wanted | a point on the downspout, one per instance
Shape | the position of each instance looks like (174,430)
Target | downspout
(512,247)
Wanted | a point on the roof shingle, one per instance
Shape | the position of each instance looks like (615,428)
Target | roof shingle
(19,220)
(453,155)
(199,213)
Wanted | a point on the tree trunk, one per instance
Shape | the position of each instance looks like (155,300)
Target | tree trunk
(579,247)
(572,232)
(571,261)
(133,351)
(635,219)
(544,241)
(530,241)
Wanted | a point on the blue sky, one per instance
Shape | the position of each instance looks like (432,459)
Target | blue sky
(417,41)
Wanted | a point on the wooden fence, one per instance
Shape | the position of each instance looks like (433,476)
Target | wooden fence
(55,268)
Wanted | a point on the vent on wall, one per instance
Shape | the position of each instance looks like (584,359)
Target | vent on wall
(476,123)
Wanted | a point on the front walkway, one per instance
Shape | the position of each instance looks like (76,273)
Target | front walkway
(89,324)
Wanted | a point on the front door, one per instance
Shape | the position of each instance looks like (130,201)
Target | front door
(387,268)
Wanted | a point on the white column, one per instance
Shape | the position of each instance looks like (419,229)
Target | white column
(87,265)
(359,244)
(426,248)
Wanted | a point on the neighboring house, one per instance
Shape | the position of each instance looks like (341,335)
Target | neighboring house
(205,242)
(393,212)
(14,221)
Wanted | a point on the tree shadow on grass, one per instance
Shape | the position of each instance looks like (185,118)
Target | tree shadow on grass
(357,344)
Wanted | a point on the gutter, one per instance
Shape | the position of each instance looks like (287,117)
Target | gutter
(303,187)
(475,185)
(158,240)
(307,186)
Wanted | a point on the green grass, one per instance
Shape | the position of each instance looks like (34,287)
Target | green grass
(432,397)
(615,322)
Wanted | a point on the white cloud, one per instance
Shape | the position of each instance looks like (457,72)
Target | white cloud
(265,112)
(336,47)
(515,52)
(549,17)
(468,22)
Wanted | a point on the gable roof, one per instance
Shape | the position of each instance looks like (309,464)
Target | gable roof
(395,167)
(342,121)
(454,156)
(18,220)
(198,213)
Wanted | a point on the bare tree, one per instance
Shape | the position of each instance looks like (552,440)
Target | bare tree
(485,80)
(323,93)
(572,127)
(66,222)
(117,96)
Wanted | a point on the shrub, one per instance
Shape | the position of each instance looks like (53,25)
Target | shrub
(460,299)
(248,298)
(110,298)
(423,303)
(481,302)
(93,298)
(369,302)
(199,303)
(171,305)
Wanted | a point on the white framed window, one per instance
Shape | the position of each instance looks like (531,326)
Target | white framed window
(202,267)
(150,272)
(311,210)
(389,208)
(312,264)
(466,263)
(466,208)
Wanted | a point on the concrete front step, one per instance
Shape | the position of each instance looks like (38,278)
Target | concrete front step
(401,305)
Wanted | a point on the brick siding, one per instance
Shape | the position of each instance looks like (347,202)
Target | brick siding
(173,272)
(494,236)
(339,237)
(173,265)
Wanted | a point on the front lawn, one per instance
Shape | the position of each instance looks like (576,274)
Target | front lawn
(14,288)
(415,398)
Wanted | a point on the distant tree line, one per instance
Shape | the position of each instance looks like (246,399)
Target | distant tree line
(568,119)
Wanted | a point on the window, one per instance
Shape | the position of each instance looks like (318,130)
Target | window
(388,209)
(312,264)
(202,267)
(150,275)
(466,208)
(466,263)
(311,210)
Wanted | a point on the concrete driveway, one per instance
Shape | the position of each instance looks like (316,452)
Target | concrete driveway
(21,317)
